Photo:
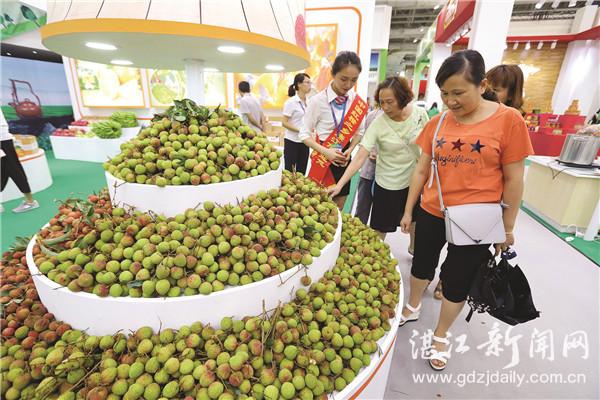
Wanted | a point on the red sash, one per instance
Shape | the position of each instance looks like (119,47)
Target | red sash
(319,170)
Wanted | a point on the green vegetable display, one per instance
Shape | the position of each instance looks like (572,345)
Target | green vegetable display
(107,129)
(127,119)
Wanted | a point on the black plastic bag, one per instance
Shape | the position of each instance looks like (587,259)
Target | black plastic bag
(502,290)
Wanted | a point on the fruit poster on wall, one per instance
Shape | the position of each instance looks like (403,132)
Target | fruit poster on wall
(271,88)
(168,85)
(104,85)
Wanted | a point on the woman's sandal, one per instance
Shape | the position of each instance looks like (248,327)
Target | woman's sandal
(414,314)
(435,355)
(437,292)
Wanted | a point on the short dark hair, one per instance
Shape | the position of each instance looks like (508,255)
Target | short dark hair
(298,79)
(511,78)
(467,62)
(343,59)
(399,86)
(244,87)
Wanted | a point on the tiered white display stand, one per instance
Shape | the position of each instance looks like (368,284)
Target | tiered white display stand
(172,200)
(101,316)
(91,149)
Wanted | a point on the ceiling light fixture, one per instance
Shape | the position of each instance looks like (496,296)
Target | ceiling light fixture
(210,69)
(231,49)
(121,62)
(436,6)
(553,45)
(516,45)
(572,3)
(528,46)
(540,45)
(34,51)
(555,3)
(415,40)
(100,46)
(539,4)
(8,54)
(422,29)
(274,67)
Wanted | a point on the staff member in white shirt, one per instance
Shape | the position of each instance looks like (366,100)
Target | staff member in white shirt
(295,153)
(250,108)
(10,167)
(326,112)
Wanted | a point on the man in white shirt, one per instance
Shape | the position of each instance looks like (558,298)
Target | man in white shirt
(250,109)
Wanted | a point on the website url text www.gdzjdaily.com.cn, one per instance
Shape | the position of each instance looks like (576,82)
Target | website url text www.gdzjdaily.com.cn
(488,378)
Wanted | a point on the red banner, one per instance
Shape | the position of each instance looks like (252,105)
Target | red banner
(319,170)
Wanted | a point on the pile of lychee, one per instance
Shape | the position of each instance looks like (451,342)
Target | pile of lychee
(308,348)
(199,252)
(193,152)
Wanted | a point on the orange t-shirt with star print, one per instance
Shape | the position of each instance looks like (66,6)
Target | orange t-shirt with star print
(470,157)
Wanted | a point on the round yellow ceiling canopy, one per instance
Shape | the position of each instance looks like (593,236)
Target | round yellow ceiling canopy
(167,44)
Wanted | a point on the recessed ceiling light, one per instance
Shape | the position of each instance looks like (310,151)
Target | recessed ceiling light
(231,49)
(415,40)
(528,46)
(436,6)
(572,3)
(210,69)
(539,4)
(8,54)
(422,29)
(100,46)
(34,52)
(539,46)
(516,45)
(274,67)
(121,62)
(553,45)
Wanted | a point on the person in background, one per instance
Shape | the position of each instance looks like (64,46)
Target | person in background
(326,114)
(250,108)
(507,83)
(295,153)
(10,167)
(433,111)
(394,132)
(421,101)
(480,149)
(364,193)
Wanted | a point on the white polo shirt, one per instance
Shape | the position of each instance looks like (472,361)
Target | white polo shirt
(294,108)
(250,105)
(318,116)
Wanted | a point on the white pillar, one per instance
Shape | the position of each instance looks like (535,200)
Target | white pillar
(439,52)
(489,28)
(194,72)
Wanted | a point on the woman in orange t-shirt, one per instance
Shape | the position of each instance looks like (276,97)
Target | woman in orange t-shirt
(481,149)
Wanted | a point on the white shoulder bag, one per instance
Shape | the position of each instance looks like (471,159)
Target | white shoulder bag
(468,224)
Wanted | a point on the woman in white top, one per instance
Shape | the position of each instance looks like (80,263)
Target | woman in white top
(10,167)
(326,111)
(295,153)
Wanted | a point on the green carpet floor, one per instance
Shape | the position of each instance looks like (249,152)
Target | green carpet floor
(76,178)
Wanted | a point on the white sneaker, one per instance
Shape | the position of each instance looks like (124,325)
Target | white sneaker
(26,206)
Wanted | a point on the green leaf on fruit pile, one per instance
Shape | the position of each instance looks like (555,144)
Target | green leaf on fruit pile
(135,284)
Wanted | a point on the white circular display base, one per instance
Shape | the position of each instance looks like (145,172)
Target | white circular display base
(371,381)
(38,175)
(107,315)
(172,200)
(91,149)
